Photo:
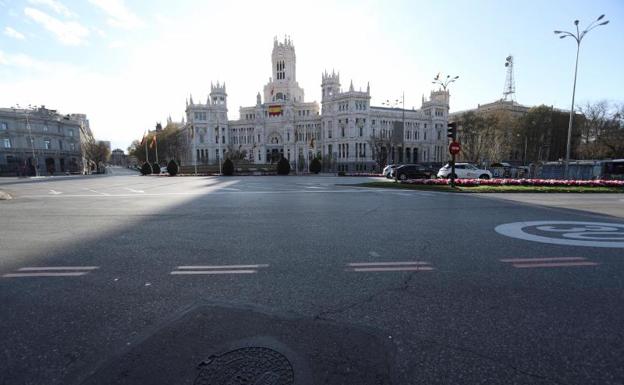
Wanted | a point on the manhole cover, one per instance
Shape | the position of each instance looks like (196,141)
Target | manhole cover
(246,366)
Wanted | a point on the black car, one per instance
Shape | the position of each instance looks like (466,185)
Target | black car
(413,171)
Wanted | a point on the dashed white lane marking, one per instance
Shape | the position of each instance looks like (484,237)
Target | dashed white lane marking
(203,267)
(402,194)
(373,254)
(208,272)
(315,187)
(364,267)
(529,263)
(218,269)
(54,192)
(134,191)
(38,268)
(51,271)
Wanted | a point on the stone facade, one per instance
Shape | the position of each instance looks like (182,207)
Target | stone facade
(42,141)
(340,130)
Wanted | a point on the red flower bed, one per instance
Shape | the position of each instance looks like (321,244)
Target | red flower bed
(519,182)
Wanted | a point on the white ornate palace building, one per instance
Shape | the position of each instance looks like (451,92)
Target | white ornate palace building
(282,123)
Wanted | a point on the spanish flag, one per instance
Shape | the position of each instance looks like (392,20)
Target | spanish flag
(275,110)
(153,142)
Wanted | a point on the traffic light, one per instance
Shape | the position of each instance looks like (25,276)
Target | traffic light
(452,130)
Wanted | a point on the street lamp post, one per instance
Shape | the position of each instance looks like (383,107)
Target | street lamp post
(401,153)
(578,37)
(444,83)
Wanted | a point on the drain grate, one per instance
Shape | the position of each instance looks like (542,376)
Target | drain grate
(246,366)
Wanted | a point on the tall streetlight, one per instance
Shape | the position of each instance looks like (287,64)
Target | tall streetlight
(444,82)
(578,37)
(395,104)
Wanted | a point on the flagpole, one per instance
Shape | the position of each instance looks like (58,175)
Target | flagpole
(156,145)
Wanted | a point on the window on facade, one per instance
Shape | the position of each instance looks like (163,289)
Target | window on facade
(361,131)
(45,128)
(7,143)
(3,126)
(72,146)
(342,131)
(47,144)
(60,145)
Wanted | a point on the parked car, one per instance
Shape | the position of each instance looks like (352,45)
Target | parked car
(464,170)
(387,171)
(163,170)
(413,171)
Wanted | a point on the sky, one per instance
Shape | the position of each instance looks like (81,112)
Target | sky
(130,64)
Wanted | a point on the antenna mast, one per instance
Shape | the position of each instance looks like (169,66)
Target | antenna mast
(509,92)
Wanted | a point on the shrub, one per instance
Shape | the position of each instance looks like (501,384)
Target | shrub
(315,165)
(283,167)
(156,168)
(146,169)
(228,167)
(172,168)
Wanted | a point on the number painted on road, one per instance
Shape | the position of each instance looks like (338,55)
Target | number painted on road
(567,233)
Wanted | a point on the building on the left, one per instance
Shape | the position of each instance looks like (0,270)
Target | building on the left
(40,141)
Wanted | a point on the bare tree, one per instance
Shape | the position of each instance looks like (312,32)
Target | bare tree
(380,146)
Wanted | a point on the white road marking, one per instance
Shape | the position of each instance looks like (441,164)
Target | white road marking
(373,254)
(402,194)
(363,267)
(315,187)
(51,271)
(54,192)
(228,189)
(560,264)
(555,259)
(134,191)
(206,193)
(97,192)
(44,274)
(567,233)
(354,264)
(528,263)
(217,269)
(194,272)
(202,267)
(44,268)
(377,269)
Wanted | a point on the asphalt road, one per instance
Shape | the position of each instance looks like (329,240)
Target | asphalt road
(149,280)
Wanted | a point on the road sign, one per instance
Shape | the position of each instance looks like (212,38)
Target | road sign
(454,148)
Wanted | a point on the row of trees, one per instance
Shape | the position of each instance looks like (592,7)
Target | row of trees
(169,144)
(96,153)
(541,134)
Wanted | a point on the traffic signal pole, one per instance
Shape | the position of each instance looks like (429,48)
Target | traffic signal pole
(452,134)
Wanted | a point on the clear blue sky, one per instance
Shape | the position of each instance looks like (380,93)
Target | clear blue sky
(128,64)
